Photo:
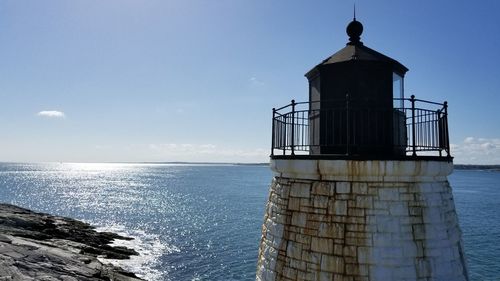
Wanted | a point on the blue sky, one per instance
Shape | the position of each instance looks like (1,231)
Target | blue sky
(122,80)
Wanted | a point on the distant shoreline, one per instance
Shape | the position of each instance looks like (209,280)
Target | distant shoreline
(456,166)
(477,167)
(159,163)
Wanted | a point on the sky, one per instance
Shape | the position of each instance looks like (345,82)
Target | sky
(195,80)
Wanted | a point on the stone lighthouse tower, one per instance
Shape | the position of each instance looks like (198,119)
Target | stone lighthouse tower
(360,188)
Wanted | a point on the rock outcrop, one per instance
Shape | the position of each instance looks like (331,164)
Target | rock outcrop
(37,246)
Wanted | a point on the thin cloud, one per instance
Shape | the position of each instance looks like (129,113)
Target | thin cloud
(51,114)
(209,152)
(477,151)
(254,81)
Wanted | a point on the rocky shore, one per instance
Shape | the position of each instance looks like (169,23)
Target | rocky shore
(37,246)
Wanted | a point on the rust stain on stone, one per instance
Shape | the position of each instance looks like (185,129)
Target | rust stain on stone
(352,230)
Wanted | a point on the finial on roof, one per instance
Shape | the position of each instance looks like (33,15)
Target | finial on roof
(354,30)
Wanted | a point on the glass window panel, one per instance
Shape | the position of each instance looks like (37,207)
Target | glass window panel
(397,90)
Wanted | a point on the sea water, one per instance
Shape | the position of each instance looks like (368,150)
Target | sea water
(203,222)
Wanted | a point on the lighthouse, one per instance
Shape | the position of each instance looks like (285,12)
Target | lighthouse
(360,188)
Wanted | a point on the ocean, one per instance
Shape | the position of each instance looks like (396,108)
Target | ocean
(203,222)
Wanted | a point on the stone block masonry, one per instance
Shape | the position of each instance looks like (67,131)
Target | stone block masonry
(384,222)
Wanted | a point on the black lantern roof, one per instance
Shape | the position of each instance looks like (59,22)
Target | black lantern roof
(357,111)
(356,50)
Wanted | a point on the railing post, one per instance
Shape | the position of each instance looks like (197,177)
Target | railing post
(447,136)
(414,146)
(273,133)
(293,127)
(284,133)
(348,125)
(440,131)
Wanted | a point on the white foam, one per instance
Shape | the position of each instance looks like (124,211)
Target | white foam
(149,247)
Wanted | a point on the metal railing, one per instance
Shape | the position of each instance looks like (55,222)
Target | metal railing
(343,128)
